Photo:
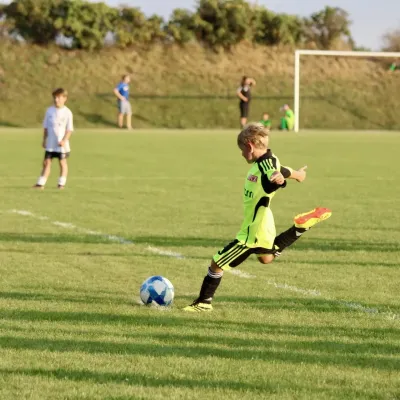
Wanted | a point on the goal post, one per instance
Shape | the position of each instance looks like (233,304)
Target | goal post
(334,53)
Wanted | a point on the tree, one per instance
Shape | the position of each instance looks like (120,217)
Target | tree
(222,22)
(133,27)
(86,24)
(273,29)
(33,20)
(4,27)
(41,21)
(155,28)
(217,23)
(328,26)
(391,41)
(181,26)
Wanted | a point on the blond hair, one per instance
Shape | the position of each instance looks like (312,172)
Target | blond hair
(254,133)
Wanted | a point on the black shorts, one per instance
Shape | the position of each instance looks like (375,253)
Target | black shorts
(49,155)
(235,253)
(244,109)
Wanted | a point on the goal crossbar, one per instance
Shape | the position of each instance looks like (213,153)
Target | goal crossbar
(334,53)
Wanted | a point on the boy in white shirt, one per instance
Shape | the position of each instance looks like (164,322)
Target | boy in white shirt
(58,126)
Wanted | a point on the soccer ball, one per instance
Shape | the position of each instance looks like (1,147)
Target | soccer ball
(157,290)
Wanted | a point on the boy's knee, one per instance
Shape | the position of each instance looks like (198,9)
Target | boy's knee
(46,162)
(214,267)
(266,259)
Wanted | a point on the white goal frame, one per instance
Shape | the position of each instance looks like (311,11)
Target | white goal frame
(299,53)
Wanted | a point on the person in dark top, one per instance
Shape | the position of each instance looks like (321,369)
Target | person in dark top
(244,94)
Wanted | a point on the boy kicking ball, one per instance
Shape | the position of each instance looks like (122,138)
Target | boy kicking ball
(58,126)
(257,234)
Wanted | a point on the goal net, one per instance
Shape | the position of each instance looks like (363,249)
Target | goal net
(346,90)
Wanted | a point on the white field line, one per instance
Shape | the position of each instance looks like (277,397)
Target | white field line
(281,286)
(111,238)
(284,286)
(241,274)
(316,293)
(161,252)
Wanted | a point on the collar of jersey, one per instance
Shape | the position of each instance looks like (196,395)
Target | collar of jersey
(268,154)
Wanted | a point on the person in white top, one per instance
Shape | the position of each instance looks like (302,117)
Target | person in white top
(58,126)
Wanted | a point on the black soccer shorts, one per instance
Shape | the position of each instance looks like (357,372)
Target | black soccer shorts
(49,155)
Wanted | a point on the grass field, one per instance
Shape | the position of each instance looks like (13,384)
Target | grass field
(322,322)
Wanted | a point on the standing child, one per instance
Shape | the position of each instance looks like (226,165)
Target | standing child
(121,91)
(257,234)
(244,94)
(58,127)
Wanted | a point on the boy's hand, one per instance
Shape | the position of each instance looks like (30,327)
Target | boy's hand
(61,143)
(301,174)
(44,143)
(277,178)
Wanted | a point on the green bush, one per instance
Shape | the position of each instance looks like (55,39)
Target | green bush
(215,23)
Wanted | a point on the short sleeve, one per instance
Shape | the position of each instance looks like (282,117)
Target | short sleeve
(119,86)
(268,168)
(46,120)
(270,187)
(70,122)
(286,172)
(239,89)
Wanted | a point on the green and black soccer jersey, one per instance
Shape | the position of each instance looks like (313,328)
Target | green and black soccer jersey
(266,122)
(289,119)
(258,228)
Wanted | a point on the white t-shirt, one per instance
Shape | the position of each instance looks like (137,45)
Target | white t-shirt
(58,121)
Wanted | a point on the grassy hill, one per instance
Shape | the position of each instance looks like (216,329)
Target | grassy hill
(193,87)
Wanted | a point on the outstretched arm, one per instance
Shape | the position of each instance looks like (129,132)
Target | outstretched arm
(299,175)
(252,82)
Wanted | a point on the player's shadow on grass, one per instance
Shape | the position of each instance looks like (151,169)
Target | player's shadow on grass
(53,238)
(306,304)
(348,262)
(180,241)
(362,340)
(206,322)
(62,297)
(371,354)
(6,124)
(145,253)
(97,119)
(84,238)
(139,117)
(306,243)
(291,304)
(353,110)
(272,386)
(346,245)
(132,378)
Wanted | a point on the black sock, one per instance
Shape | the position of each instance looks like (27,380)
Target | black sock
(209,286)
(287,238)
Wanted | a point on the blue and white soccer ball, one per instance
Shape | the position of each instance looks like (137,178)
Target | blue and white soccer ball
(157,290)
